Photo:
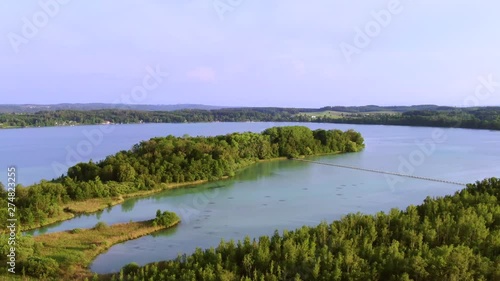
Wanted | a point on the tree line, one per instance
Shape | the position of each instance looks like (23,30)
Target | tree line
(456,237)
(435,116)
(117,116)
(482,118)
(152,164)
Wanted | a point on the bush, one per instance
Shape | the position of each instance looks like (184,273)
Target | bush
(101,226)
(165,219)
(76,230)
(130,268)
(40,267)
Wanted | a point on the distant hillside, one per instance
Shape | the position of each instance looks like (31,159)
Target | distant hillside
(420,115)
(376,108)
(32,108)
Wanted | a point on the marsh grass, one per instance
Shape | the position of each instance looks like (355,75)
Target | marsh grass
(92,205)
(75,250)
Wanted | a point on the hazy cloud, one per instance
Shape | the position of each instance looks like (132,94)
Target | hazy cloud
(203,74)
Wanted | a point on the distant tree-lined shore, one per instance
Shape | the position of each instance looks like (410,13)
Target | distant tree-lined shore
(423,115)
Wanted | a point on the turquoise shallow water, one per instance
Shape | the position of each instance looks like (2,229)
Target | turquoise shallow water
(267,196)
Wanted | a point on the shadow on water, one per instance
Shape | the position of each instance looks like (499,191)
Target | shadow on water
(128,205)
(165,233)
(98,215)
(267,169)
(255,172)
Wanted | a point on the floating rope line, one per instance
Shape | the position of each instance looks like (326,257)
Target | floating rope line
(381,172)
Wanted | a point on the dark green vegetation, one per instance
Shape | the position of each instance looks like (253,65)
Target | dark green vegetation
(165,219)
(446,238)
(472,118)
(422,115)
(72,117)
(152,164)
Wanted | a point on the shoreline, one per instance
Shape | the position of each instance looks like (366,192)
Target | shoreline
(89,243)
(312,122)
(77,208)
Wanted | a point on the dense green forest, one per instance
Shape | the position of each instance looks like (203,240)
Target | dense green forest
(150,164)
(484,118)
(72,117)
(425,115)
(449,238)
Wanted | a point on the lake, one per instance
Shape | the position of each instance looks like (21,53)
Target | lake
(266,196)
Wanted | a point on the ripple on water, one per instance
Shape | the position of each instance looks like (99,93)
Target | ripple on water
(282,200)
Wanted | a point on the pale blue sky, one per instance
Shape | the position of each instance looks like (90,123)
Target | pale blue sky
(263,53)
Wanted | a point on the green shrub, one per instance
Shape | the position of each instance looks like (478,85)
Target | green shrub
(101,226)
(165,219)
(132,267)
(76,230)
(40,267)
